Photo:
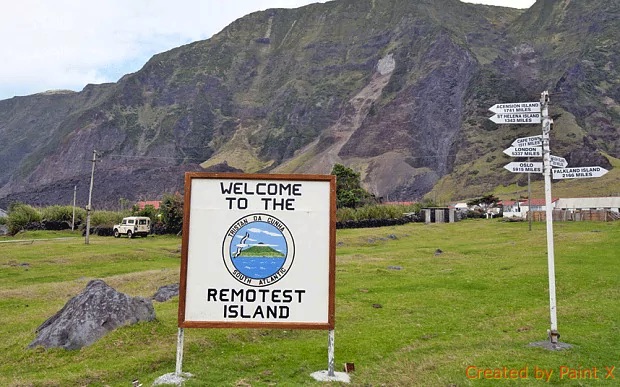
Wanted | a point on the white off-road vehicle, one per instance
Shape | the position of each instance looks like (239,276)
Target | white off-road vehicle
(133,226)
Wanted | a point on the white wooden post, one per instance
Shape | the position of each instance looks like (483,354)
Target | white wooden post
(546,128)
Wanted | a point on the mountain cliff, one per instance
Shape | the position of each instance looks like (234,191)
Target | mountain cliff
(396,89)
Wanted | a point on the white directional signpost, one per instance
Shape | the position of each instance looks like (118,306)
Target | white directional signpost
(533,113)
(516,118)
(558,162)
(517,107)
(516,113)
(528,141)
(525,167)
(578,173)
(524,151)
(537,146)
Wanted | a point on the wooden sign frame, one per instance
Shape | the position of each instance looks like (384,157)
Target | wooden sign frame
(221,215)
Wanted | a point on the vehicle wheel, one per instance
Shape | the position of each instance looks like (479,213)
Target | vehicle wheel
(117,234)
(129,234)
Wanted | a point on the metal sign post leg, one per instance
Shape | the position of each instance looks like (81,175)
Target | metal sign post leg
(180,338)
(330,354)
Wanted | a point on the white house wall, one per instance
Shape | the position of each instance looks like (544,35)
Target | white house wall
(608,203)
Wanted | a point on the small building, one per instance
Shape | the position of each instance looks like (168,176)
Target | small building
(610,203)
(537,205)
(512,209)
(439,215)
(520,208)
(462,206)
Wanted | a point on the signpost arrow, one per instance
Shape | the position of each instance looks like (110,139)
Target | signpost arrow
(558,162)
(516,118)
(530,151)
(525,167)
(578,173)
(528,141)
(517,107)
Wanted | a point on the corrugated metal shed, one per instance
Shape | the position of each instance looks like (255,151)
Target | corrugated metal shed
(611,202)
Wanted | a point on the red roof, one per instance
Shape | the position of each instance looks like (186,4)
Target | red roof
(144,203)
(507,202)
(538,202)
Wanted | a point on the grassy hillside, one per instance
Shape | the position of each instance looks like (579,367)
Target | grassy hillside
(405,315)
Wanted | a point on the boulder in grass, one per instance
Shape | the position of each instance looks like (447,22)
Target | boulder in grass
(91,314)
(166,292)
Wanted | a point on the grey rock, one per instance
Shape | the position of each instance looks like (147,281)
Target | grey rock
(91,314)
(166,292)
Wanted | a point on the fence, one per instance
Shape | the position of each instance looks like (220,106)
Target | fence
(579,215)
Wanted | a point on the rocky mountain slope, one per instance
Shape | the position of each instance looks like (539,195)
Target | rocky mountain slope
(396,89)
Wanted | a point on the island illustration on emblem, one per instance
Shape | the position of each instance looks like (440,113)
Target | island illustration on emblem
(259,248)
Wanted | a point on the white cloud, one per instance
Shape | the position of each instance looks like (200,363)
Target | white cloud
(258,230)
(273,234)
(66,44)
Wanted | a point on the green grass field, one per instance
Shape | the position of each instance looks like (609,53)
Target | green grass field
(440,320)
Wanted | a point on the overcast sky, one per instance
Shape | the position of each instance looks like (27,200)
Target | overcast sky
(66,44)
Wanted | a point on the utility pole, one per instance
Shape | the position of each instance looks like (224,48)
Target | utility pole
(90,194)
(73,218)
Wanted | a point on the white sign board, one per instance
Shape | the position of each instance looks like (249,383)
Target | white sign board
(516,118)
(536,167)
(516,107)
(558,162)
(528,141)
(578,173)
(258,251)
(524,151)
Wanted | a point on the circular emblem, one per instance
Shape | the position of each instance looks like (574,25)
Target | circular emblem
(258,250)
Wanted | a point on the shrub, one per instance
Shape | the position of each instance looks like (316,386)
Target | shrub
(20,215)
(148,210)
(172,213)
(349,192)
(105,218)
(62,214)
(375,212)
